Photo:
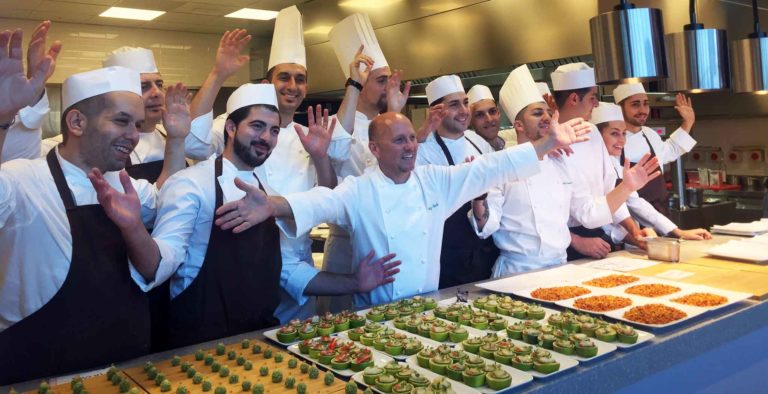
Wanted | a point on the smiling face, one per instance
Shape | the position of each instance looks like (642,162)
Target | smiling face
(393,143)
(154,97)
(106,138)
(614,135)
(290,82)
(485,119)
(375,89)
(532,123)
(457,107)
(253,138)
(636,110)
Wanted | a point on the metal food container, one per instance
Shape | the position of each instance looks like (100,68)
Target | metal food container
(665,249)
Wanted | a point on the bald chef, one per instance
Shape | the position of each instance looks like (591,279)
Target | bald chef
(464,257)
(641,139)
(79,305)
(396,208)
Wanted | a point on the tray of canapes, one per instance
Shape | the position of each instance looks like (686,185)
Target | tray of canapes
(469,369)
(404,307)
(248,366)
(298,330)
(429,326)
(343,356)
(487,318)
(395,377)
(398,344)
(507,306)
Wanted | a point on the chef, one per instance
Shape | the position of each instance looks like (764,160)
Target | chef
(642,139)
(22,141)
(465,257)
(575,93)
(146,160)
(529,218)
(366,96)
(81,304)
(485,116)
(609,120)
(398,207)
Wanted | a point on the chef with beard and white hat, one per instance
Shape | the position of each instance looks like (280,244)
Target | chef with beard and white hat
(529,218)
(146,160)
(485,116)
(641,139)
(575,94)
(51,215)
(464,257)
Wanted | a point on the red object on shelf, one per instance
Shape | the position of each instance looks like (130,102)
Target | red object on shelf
(716,188)
(714,156)
(755,156)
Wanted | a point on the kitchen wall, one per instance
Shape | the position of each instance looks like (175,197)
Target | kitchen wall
(727,134)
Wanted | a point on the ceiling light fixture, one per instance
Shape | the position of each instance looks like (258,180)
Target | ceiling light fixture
(750,60)
(131,13)
(252,13)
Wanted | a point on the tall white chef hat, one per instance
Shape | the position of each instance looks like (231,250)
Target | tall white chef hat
(479,92)
(140,59)
(543,88)
(443,86)
(288,39)
(573,76)
(518,91)
(625,90)
(606,112)
(346,38)
(251,94)
(78,87)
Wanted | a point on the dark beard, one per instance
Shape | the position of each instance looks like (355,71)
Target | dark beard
(244,153)
(381,105)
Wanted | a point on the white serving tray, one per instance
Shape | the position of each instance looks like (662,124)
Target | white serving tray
(425,341)
(377,357)
(566,362)
(510,320)
(689,310)
(519,378)
(457,387)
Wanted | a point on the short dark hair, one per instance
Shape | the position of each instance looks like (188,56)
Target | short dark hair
(91,107)
(561,96)
(601,126)
(241,113)
(436,102)
(270,73)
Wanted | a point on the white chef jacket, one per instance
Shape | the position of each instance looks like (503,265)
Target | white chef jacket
(461,149)
(509,136)
(186,207)
(642,210)
(35,237)
(359,157)
(406,219)
(678,144)
(592,171)
(151,146)
(529,218)
(22,141)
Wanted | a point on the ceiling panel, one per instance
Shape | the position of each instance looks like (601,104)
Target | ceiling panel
(19,5)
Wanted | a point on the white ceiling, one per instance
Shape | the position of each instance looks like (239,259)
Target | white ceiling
(202,16)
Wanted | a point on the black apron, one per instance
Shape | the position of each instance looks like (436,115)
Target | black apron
(98,316)
(149,170)
(464,256)
(655,191)
(237,288)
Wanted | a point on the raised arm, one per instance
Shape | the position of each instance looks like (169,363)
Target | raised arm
(177,121)
(346,113)
(397,98)
(316,142)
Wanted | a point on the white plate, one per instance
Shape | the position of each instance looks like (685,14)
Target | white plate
(565,362)
(755,252)
(458,387)
(690,311)
(424,341)
(519,377)
(378,359)
(510,320)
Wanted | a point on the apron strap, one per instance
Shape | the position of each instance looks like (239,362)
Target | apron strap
(446,152)
(473,144)
(647,141)
(58,178)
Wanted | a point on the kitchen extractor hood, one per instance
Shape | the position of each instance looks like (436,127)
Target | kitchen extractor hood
(750,60)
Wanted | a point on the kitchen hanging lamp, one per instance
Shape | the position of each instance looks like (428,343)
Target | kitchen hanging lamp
(697,58)
(628,45)
(750,60)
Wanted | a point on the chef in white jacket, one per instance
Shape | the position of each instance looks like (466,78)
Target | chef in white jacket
(609,120)
(529,218)
(146,160)
(485,117)
(642,139)
(575,94)
(398,207)
(25,129)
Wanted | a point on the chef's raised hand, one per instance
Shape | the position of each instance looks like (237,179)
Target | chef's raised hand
(374,273)
(435,116)
(176,113)
(36,54)
(685,109)
(242,214)
(19,90)
(641,173)
(363,60)
(550,101)
(124,209)
(397,98)
(562,135)
(319,133)
(228,56)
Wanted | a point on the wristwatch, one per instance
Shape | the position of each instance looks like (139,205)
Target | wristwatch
(352,82)
(6,126)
